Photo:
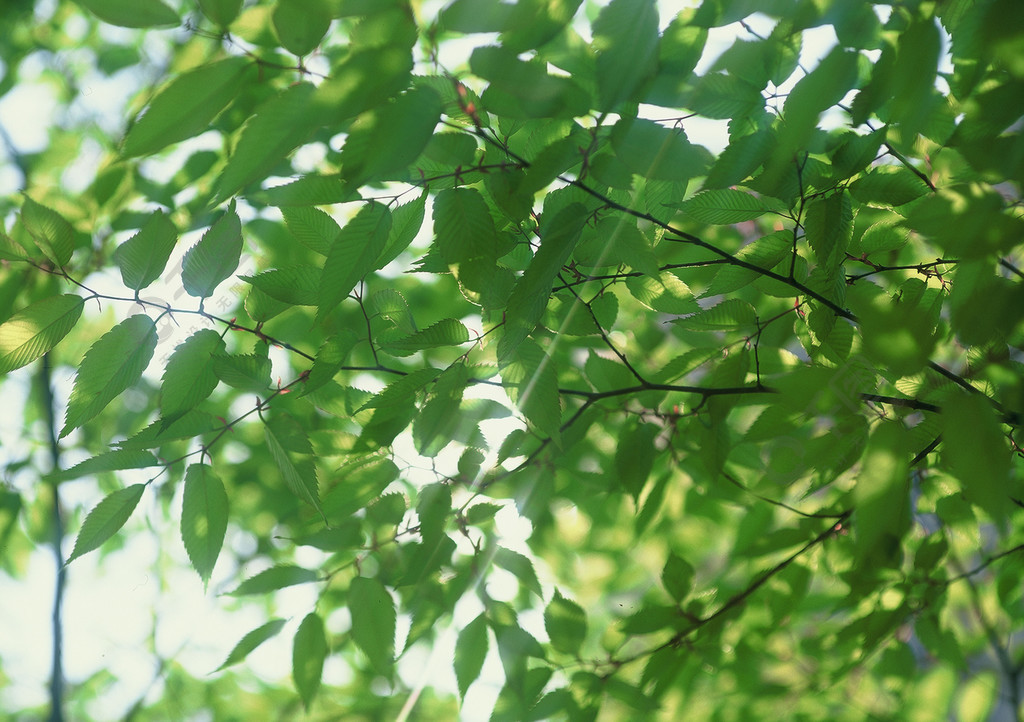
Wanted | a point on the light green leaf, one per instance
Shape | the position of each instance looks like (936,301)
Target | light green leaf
(530,295)
(311,227)
(829,226)
(888,185)
(566,624)
(367,77)
(108,461)
(309,651)
(433,508)
(373,622)
(741,158)
(390,137)
(132,13)
(246,372)
(464,231)
(222,12)
(882,495)
(277,128)
(142,257)
(677,577)
(470,652)
(658,153)
(626,42)
(520,567)
(664,293)
(106,519)
(187,105)
(530,23)
(725,206)
(530,380)
(727,315)
(525,89)
(34,330)
(634,457)
(189,377)
(285,437)
(276,577)
(721,96)
(975,447)
(114,363)
(406,221)
(300,26)
(295,285)
(50,230)
(214,258)
(251,641)
(353,255)
(204,518)
(329,358)
(447,332)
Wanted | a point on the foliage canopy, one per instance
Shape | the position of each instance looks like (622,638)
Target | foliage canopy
(354,279)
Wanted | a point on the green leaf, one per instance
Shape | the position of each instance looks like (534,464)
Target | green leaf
(300,26)
(634,457)
(34,330)
(214,258)
(566,624)
(665,293)
(277,128)
(975,446)
(329,358)
(276,577)
(106,519)
(222,12)
(108,461)
(309,651)
(390,137)
(367,77)
(50,230)
(524,89)
(111,365)
(520,567)
(529,377)
(251,641)
(311,227)
(677,577)
(446,332)
(465,233)
(658,153)
(406,221)
(204,518)
(143,257)
(373,622)
(725,206)
(829,226)
(470,653)
(187,105)
(741,158)
(132,13)
(727,315)
(626,41)
(294,285)
(353,254)
(189,376)
(285,437)
(531,23)
(721,96)
(882,496)
(888,185)
(245,372)
(530,295)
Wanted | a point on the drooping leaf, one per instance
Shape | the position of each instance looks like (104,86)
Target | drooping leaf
(251,641)
(204,518)
(311,227)
(309,650)
(285,438)
(189,376)
(301,25)
(111,365)
(373,622)
(34,330)
(187,105)
(54,235)
(634,457)
(106,519)
(406,221)
(529,377)
(520,567)
(143,257)
(214,258)
(566,624)
(525,89)
(978,454)
(222,12)
(353,254)
(470,652)
(882,496)
(626,42)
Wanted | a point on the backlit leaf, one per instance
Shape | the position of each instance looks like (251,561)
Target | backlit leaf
(309,650)
(143,257)
(33,331)
(106,519)
(353,254)
(470,652)
(189,376)
(626,41)
(132,13)
(276,577)
(204,518)
(373,622)
(566,624)
(214,258)
(251,641)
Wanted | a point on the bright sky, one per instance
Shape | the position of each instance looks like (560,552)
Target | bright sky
(110,608)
